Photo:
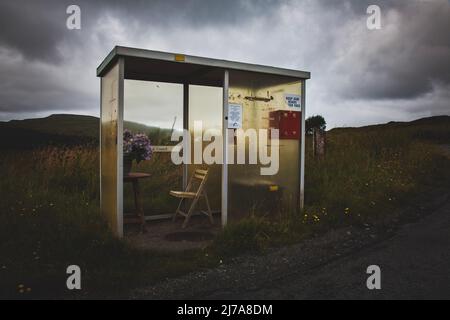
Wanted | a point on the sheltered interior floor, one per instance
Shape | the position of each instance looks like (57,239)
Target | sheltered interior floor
(166,235)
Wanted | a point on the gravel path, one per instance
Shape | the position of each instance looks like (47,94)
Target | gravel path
(414,261)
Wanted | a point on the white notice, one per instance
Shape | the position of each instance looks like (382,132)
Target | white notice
(293,101)
(234,116)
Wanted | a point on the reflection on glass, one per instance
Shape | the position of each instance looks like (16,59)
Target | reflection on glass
(156,109)
(263,98)
(205,106)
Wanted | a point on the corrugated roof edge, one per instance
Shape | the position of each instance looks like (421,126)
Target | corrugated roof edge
(225,64)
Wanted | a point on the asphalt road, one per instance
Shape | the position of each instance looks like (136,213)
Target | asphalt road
(414,261)
(415,264)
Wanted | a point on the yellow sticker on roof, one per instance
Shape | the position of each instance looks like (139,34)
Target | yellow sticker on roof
(180,57)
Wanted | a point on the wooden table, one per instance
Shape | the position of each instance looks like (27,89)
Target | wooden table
(133,178)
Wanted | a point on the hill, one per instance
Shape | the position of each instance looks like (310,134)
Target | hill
(69,129)
(58,129)
(64,129)
(59,124)
(435,129)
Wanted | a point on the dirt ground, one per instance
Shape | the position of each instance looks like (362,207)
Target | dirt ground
(167,235)
(414,258)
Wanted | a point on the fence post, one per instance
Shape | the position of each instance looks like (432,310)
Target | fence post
(319,142)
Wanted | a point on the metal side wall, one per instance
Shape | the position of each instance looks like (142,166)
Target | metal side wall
(109,147)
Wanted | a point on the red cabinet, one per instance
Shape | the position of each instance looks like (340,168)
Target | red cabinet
(287,122)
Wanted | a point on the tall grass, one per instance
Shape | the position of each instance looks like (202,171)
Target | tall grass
(367,175)
(69,170)
(49,219)
(49,209)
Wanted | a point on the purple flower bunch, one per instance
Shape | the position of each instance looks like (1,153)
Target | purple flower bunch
(136,146)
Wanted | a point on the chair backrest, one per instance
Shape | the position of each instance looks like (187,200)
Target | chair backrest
(201,175)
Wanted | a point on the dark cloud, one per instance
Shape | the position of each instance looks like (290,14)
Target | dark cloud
(35,28)
(406,57)
(405,65)
(27,87)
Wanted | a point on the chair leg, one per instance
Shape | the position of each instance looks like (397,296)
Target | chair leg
(191,210)
(178,209)
(211,219)
(139,205)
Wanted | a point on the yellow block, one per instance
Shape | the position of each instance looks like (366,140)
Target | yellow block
(180,57)
(273,188)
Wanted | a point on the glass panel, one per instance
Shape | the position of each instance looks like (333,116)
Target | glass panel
(108,149)
(267,102)
(205,108)
(155,109)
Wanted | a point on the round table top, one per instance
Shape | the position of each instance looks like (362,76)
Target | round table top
(136,175)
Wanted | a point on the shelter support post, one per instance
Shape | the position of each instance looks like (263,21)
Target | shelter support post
(302,149)
(120,112)
(224,207)
(186,128)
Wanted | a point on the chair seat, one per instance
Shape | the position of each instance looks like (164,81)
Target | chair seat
(200,177)
(183,194)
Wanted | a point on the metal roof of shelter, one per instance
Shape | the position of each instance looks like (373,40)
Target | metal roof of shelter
(141,64)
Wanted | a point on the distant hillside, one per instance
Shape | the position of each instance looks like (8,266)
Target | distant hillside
(435,121)
(66,129)
(60,124)
(53,130)
(436,129)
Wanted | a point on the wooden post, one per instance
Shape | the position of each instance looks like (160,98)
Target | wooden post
(319,142)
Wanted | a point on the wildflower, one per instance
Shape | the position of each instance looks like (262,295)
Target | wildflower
(136,147)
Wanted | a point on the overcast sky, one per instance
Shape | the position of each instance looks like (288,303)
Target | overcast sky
(359,76)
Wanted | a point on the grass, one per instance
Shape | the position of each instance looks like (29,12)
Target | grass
(369,172)
(366,177)
(50,219)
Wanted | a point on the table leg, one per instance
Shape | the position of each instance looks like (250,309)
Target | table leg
(138,204)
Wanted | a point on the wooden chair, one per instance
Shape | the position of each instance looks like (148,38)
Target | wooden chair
(199,176)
